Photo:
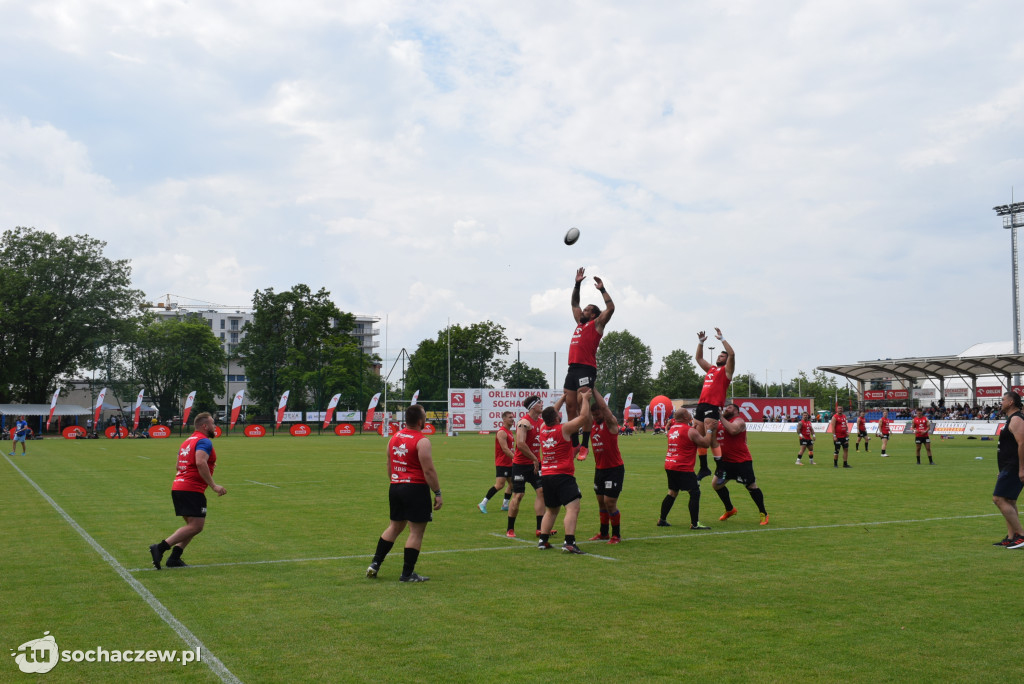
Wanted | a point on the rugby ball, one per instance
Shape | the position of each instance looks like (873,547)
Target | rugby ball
(572,236)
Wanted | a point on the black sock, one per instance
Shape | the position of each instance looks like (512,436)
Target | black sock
(410,561)
(508,496)
(570,539)
(544,538)
(694,506)
(163,546)
(586,439)
(540,519)
(666,505)
(575,439)
(703,461)
(616,524)
(491,492)
(383,547)
(176,552)
(511,522)
(604,529)
(723,494)
(758,496)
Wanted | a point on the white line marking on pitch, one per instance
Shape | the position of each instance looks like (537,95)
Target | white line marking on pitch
(527,541)
(182,631)
(145,457)
(263,483)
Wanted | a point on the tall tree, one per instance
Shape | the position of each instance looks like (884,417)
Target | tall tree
(624,366)
(60,301)
(518,375)
(475,359)
(678,377)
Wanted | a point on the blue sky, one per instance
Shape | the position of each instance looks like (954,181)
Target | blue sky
(814,177)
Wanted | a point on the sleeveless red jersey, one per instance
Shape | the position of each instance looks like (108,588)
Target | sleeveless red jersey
(734,448)
(842,427)
(805,429)
(404,459)
(862,425)
(883,426)
(921,426)
(583,347)
(716,382)
(682,453)
(503,437)
(532,441)
(605,447)
(556,452)
(188,479)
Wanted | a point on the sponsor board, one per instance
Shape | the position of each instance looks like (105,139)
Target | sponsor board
(300,430)
(73,432)
(982,429)
(344,429)
(479,410)
(109,432)
(217,432)
(926,393)
(990,391)
(949,427)
(956,392)
(254,431)
(755,409)
(291,417)
(159,432)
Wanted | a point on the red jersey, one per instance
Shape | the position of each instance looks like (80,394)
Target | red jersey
(605,447)
(532,441)
(883,426)
(716,382)
(734,448)
(862,425)
(805,429)
(682,453)
(503,437)
(188,478)
(556,452)
(842,427)
(583,347)
(404,458)
(920,426)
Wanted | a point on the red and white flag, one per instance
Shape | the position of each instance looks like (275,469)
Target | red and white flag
(370,410)
(138,409)
(236,406)
(281,406)
(188,406)
(330,409)
(99,407)
(607,398)
(53,405)
(629,402)
(415,396)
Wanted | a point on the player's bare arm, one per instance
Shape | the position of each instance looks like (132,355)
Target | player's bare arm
(579,421)
(702,441)
(733,427)
(504,447)
(602,408)
(522,437)
(203,466)
(609,306)
(429,472)
(730,363)
(577,312)
(701,361)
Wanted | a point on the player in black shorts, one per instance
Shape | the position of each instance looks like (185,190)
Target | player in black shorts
(1010,458)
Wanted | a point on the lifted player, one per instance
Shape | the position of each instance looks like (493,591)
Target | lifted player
(712,395)
(805,430)
(921,429)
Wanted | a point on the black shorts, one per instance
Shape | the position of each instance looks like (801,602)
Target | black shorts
(503,471)
(580,375)
(608,481)
(521,475)
(922,440)
(807,443)
(885,435)
(863,435)
(841,442)
(189,504)
(560,490)
(412,502)
(741,472)
(1008,484)
(680,481)
(708,411)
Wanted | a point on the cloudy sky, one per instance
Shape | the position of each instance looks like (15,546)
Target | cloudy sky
(816,178)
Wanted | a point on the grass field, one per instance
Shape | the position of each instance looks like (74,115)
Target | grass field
(880,573)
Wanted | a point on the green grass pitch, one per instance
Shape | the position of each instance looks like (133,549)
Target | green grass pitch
(884,572)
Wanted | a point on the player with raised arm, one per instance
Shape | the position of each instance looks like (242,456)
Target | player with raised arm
(558,470)
(609,470)
(921,436)
(737,463)
(805,430)
(503,455)
(680,458)
(712,395)
(590,324)
(840,438)
(526,464)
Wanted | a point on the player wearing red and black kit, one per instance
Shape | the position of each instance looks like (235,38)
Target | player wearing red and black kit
(737,463)
(884,431)
(503,455)
(680,458)
(526,464)
(805,430)
(590,324)
(712,396)
(557,472)
(411,468)
(862,432)
(196,462)
(921,429)
(609,470)
(840,438)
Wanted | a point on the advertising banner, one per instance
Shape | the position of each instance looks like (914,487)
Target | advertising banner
(480,409)
(926,393)
(874,395)
(896,394)
(160,432)
(755,409)
(957,392)
(990,391)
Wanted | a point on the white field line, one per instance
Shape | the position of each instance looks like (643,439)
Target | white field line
(263,483)
(160,609)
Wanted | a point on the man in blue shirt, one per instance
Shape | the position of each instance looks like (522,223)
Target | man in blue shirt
(20,432)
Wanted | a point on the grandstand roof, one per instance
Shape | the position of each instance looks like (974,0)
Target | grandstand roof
(985,359)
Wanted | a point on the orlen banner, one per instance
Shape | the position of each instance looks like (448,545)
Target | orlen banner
(754,409)
(479,410)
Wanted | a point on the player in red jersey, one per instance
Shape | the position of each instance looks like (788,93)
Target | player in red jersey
(840,430)
(412,478)
(590,324)
(196,461)
(609,470)
(884,430)
(558,470)
(503,455)
(921,430)
(862,433)
(737,463)
(805,430)
(526,464)
(680,457)
(712,395)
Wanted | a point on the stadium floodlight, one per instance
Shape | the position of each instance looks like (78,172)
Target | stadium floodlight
(1013,218)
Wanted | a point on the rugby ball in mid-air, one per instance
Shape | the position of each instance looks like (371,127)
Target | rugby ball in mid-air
(572,236)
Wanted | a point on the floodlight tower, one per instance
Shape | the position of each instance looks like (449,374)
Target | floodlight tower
(1013,218)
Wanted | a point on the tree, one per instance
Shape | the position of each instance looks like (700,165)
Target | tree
(475,359)
(521,376)
(60,301)
(746,385)
(678,377)
(299,341)
(170,358)
(624,366)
